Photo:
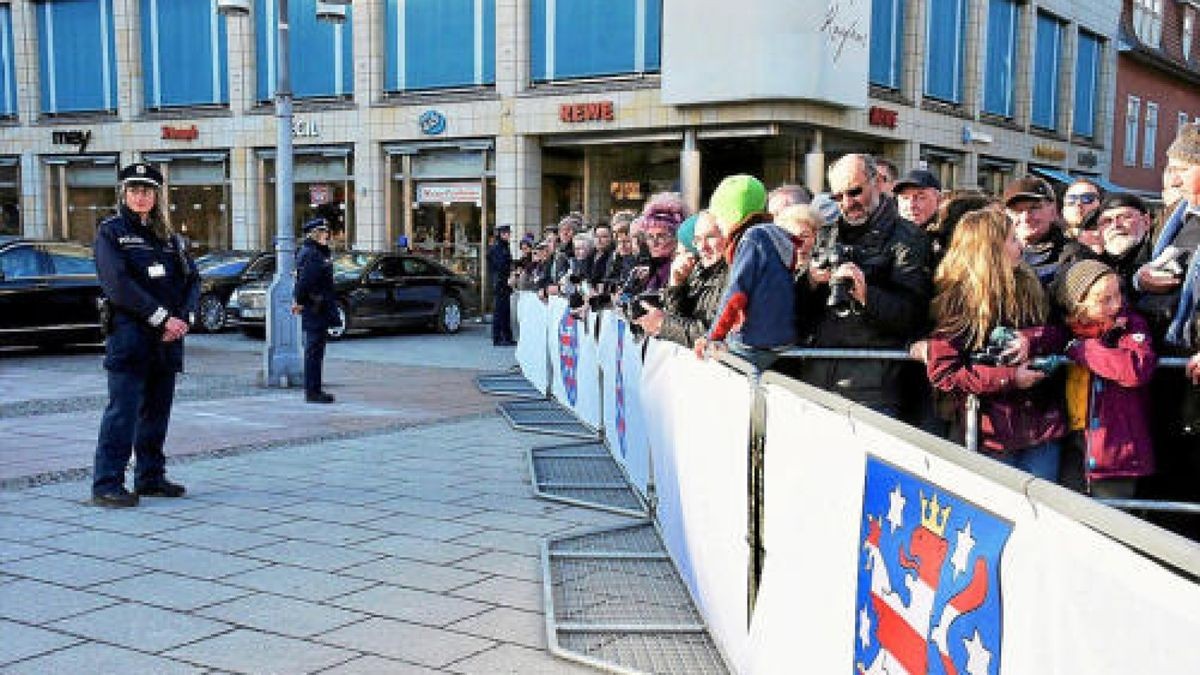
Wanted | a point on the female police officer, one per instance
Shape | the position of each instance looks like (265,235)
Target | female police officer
(315,301)
(152,288)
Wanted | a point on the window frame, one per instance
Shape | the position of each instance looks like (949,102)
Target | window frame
(1051,72)
(1133,111)
(1148,21)
(991,69)
(1187,32)
(958,50)
(895,47)
(1150,140)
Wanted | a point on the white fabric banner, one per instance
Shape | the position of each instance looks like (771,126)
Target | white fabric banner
(631,446)
(902,561)
(531,348)
(575,380)
(698,419)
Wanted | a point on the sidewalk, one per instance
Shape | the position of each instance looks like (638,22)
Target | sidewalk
(392,532)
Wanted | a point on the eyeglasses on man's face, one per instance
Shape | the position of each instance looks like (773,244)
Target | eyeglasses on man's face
(658,237)
(852,193)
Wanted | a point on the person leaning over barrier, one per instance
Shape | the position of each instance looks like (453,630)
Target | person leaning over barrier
(690,301)
(152,289)
(881,273)
(991,317)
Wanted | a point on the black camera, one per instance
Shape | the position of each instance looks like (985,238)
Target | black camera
(829,254)
(572,288)
(999,341)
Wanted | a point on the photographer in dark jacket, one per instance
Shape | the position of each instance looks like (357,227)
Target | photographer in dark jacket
(697,283)
(152,289)
(315,301)
(887,271)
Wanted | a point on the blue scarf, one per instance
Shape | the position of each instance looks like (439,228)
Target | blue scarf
(1178,334)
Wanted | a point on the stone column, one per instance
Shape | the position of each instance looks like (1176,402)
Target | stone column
(246,232)
(369,167)
(519,184)
(242,57)
(1023,71)
(512,46)
(975,35)
(689,171)
(25,62)
(370,66)
(912,79)
(130,78)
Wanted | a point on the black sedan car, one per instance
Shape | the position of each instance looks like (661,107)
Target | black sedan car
(220,274)
(378,290)
(48,293)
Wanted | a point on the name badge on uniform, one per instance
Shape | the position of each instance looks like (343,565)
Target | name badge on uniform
(156,270)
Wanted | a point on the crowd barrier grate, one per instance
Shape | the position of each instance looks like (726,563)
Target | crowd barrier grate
(614,600)
(545,417)
(583,474)
(511,384)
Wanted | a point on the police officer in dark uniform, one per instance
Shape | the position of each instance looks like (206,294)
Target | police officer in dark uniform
(315,301)
(152,289)
(500,265)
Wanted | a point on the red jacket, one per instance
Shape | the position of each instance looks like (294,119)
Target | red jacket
(1009,418)
(1117,434)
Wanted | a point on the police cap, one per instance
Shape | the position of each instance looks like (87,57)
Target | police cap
(141,172)
(316,224)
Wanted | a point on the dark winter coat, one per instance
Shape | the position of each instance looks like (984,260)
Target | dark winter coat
(691,306)
(314,290)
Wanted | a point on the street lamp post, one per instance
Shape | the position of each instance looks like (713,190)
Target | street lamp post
(282,362)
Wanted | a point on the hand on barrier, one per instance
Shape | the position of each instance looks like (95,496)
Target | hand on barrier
(705,348)
(919,350)
(1193,369)
(296,309)
(652,320)
(1027,376)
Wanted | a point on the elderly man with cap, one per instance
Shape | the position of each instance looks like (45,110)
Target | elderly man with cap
(918,195)
(499,259)
(1030,204)
(315,300)
(1122,226)
(152,289)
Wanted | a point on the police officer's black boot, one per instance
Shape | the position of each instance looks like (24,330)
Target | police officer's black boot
(161,488)
(319,397)
(117,497)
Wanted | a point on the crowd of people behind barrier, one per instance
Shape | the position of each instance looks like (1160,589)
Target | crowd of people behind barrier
(1052,315)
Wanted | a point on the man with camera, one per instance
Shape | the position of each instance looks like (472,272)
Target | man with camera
(871,282)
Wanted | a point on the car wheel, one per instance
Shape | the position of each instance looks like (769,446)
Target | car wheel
(449,318)
(212,313)
(339,331)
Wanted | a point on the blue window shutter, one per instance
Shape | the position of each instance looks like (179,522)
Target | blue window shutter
(183,53)
(321,52)
(887,30)
(7,69)
(944,50)
(1086,79)
(1000,57)
(593,38)
(432,43)
(77,56)
(653,36)
(537,41)
(1045,72)
(489,42)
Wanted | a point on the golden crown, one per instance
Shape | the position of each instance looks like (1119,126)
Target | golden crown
(933,516)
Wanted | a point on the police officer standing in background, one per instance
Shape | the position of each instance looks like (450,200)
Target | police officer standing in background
(152,288)
(500,265)
(316,302)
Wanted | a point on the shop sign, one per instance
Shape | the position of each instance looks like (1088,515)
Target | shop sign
(78,138)
(304,129)
(1087,159)
(972,136)
(450,193)
(432,122)
(318,193)
(882,117)
(180,133)
(1050,152)
(601,111)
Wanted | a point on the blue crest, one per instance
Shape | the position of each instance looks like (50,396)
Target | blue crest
(568,354)
(432,122)
(928,579)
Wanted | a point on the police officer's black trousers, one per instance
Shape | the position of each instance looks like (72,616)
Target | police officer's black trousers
(314,358)
(502,319)
(135,422)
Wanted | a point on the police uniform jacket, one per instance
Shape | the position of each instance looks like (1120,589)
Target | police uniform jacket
(146,280)
(314,290)
(499,258)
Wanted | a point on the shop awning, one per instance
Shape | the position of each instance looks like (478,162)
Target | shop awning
(1053,174)
(1108,187)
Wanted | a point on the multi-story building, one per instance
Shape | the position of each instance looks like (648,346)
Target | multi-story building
(1158,87)
(436,119)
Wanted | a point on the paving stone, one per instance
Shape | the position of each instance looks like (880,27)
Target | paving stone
(332,512)
(298,583)
(277,614)
(127,521)
(506,592)
(427,527)
(414,574)
(324,533)
(407,642)
(237,517)
(101,544)
(312,555)
(527,505)
(92,657)
(425,507)
(14,550)
(247,651)
(195,562)
(141,627)
(22,642)
(69,569)
(417,548)
(172,591)
(510,659)
(216,538)
(506,564)
(240,496)
(511,522)
(510,542)
(407,604)
(506,624)
(27,530)
(38,603)
(374,665)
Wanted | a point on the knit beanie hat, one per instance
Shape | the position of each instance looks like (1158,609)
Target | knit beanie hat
(1186,147)
(687,233)
(1078,281)
(737,198)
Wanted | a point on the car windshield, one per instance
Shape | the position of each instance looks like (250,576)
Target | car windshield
(223,264)
(347,266)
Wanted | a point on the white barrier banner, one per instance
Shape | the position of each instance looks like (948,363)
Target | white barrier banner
(902,561)
(631,446)
(531,348)
(698,420)
(574,375)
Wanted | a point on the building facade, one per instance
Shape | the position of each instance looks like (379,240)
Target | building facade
(435,120)
(1158,87)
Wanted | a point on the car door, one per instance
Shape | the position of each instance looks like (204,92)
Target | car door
(423,293)
(75,288)
(376,301)
(24,289)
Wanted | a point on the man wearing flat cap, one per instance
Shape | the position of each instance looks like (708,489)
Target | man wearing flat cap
(918,195)
(1030,204)
(315,300)
(500,267)
(152,289)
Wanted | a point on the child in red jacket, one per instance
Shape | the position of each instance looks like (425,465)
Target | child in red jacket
(1109,446)
(982,285)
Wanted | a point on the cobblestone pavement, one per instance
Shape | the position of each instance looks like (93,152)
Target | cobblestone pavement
(393,532)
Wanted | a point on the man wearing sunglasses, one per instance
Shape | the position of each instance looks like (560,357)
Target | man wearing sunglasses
(1080,200)
(887,267)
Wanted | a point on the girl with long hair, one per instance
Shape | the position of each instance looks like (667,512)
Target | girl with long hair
(991,321)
